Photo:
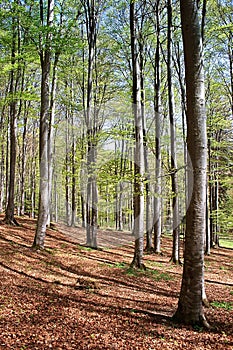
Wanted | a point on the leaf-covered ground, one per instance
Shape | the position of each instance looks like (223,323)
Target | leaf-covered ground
(71,297)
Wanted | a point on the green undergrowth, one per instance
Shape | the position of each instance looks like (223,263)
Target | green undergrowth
(87,249)
(224,243)
(222,305)
(130,271)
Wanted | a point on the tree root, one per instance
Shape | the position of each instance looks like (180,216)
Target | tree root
(183,319)
(10,221)
(205,302)
(175,262)
(137,266)
(149,250)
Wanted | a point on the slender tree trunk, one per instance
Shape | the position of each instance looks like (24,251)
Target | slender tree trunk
(2,158)
(7,163)
(82,183)
(44,172)
(207,236)
(230,55)
(55,199)
(14,77)
(45,58)
(190,308)
(121,187)
(67,176)
(9,218)
(157,111)
(2,171)
(51,135)
(148,190)
(91,123)
(139,148)
(148,198)
(92,198)
(210,193)
(183,111)
(120,222)
(23,163)
(33,174)
(73,191)
(174,176)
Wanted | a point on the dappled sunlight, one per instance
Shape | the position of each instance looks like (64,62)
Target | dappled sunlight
(41,299)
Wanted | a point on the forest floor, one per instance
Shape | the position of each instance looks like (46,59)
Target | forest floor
(71,297)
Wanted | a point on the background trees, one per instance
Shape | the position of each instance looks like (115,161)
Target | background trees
(92,120)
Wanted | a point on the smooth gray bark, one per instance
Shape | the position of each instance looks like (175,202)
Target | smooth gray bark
(190,308)
(14,80)
(139,159)
(157,111)
(45,60)
(174,175)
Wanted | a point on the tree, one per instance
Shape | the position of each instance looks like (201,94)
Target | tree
(92,9)
(174,176)
(45,60)
(157,110)
(13,89)
(190,308)
(139,147)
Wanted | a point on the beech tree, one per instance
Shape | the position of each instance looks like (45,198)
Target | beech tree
(13,111)
(93,97)
(139,147)
(190,307)
(174,176)
(45,60)
(157,112)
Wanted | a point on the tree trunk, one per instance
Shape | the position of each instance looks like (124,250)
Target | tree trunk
(82,183)
(157,108)
(45,58)
(2,168)
(67,176)
(9,218)
(73,192)
(92,197)
(120,208)
(190,308)
(139,148)
(3,140)
(23,162)
(174,175)
(44,171)
(148,198)
(230,55)
(14,77)
(33,174)
(91,117)
(183,111)
(51,135)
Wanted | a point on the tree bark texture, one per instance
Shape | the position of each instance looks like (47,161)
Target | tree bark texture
(45,59)
(157,111)
(174,175)
(14,79)
(139,147)
(92,9)
(190,308)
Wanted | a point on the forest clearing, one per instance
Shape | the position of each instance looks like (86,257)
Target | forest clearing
(69,296)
